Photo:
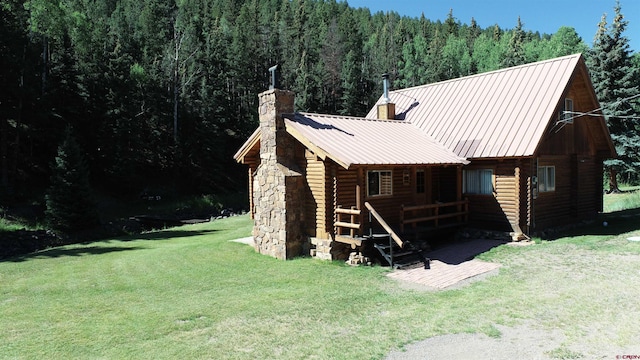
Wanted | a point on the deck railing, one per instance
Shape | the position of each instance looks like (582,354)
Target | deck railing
(414,214)
(351,223)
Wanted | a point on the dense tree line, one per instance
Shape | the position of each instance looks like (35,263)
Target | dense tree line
(163,92)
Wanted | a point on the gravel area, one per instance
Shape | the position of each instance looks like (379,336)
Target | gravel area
(521,342)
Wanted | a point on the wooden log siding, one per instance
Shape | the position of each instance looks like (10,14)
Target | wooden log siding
(346,187)
(501,209)
(525,195)
(317,202)
(589,191)
(553,208)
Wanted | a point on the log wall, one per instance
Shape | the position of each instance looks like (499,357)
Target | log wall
(318,197)
(578,194)
(500,209)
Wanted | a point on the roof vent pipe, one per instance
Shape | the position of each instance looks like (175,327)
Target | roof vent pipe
(274,79)
(385,87)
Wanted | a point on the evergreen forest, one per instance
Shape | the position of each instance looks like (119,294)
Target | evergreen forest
(161,93)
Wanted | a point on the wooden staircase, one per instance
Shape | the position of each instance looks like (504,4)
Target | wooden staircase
(387,246)
(398,257)
(397,253)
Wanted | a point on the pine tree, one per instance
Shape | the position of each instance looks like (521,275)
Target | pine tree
(69,201)
(515,51)
(614,77)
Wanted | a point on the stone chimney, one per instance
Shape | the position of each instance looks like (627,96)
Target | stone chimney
(278,194)
(386,110)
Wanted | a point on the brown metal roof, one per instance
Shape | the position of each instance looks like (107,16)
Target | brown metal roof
(359,141)
(501,113)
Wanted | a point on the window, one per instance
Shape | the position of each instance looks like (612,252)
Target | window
(566,112)
(379,182)
(420,180)
(546,178)
(477,181)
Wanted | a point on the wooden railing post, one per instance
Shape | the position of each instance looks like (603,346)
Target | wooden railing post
(466,210)
(338,220)
(352,219)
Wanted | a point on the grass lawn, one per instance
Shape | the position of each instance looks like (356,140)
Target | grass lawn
(189,293)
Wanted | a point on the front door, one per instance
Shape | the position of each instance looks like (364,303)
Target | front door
(422,177)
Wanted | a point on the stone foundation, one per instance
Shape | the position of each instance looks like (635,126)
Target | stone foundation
(327,249)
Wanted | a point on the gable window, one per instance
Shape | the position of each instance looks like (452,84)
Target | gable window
(546,178)
(566,112)
(379,182)
(420,181)
(478,181)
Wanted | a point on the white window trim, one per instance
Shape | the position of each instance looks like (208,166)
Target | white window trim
(379,192)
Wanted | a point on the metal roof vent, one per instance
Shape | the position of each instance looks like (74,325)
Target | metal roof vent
(385,87)
(274,80)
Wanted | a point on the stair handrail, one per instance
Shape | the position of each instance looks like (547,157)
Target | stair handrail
(384,224)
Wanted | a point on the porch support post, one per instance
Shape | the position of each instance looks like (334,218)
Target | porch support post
(359,202)
(429,184)
(459,189)
(459,184)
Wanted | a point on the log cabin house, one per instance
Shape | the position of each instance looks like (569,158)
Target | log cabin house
(517,150)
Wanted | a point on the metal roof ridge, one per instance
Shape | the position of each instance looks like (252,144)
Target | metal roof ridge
(357,118)
(492,72)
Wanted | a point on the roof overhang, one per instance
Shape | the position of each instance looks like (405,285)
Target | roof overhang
(250,146)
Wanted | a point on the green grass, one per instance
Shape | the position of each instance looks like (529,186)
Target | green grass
(14,225)
(190,293)
(630,199)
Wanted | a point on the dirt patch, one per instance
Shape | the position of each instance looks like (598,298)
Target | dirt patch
(521,342)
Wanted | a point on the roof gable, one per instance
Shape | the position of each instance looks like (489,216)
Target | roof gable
(503,113)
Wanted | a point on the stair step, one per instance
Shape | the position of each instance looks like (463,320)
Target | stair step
(386,246)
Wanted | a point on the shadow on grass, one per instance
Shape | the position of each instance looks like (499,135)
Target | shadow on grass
(87,249)
(617,223)
(168,234)
(63,252)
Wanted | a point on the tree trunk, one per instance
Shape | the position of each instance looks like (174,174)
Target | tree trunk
(176,78)
(45,63)
(613,181)
(3,152)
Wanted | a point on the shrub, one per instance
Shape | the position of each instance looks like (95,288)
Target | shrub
(69,200)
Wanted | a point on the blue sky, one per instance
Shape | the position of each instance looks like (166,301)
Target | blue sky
(545,16)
